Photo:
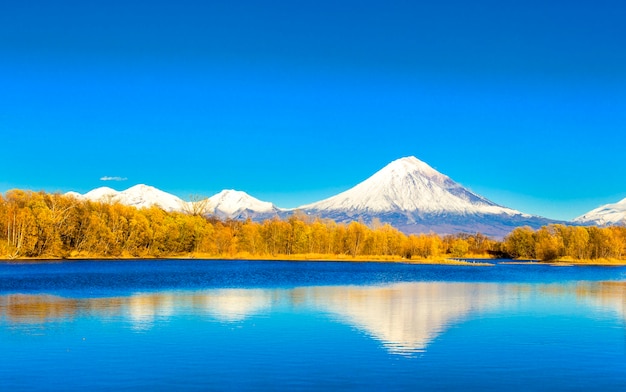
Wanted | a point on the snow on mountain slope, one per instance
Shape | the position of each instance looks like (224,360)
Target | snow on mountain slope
(228,204)
(414,197)
(137,196)
(409,185)
(74,194)
(145,196)
(609,214)
(234,204)
(99,194)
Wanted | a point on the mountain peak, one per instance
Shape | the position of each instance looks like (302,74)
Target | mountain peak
(408,185)
(411,164)
(99,193)
(141,188)
(608,214)
(412,196)
(142,195)
(231,193)
(139,195)
(231,203)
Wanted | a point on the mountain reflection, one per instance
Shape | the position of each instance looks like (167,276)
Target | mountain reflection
(235,304)
(404,317)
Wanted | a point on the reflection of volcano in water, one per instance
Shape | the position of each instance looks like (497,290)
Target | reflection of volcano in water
(143,309)
(405,317)
(236,304)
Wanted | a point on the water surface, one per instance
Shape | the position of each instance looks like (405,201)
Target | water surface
(206,325)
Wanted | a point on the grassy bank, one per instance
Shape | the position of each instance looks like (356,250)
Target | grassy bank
(600,262)
(564,261)
(244,256)
(569,261)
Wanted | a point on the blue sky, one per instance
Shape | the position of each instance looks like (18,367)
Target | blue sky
(292,101)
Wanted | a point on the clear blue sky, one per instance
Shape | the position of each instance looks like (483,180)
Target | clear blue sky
(293,101)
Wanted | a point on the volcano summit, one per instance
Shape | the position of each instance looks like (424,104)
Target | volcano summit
(415,198)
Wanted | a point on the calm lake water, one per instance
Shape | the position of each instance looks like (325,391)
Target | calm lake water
(233,325)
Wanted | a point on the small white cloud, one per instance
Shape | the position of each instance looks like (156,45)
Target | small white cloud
(109,178)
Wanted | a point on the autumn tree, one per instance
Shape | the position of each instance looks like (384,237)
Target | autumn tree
(520,243)
(250,239)
(356,235)
(459,247)
(549,243)
(196,206)
(576,242)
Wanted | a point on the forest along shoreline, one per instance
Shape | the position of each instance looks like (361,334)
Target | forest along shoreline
(474,261)
(43,226)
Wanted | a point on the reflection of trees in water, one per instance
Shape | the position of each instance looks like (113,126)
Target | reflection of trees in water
(34,309)
(607,295)
(141,309)
(405,317)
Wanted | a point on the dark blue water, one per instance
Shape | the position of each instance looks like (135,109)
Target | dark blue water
(105,277)
(233,325)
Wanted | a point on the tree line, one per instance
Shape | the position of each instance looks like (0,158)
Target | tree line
(39,224)
(555,242)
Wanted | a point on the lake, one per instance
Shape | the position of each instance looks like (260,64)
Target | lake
(267,325)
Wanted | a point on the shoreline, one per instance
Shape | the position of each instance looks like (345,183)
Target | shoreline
(477,261)
(570,263)
(296,258)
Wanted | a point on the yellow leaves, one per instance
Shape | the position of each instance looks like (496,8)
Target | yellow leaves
(567,242)
(459,247)
(549,243)
(423,246)
(520,243)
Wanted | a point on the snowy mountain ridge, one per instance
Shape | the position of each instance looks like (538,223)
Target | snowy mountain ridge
(140,196)
(608,214)
(232,204)
(407,193)
(228,204)
(415,198)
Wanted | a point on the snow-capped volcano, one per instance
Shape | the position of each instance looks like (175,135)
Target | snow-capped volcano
(234,204)
(409,185)
(609,214)
(145,196)
(228,204)
(99,194)
(411,195)
(139,196)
